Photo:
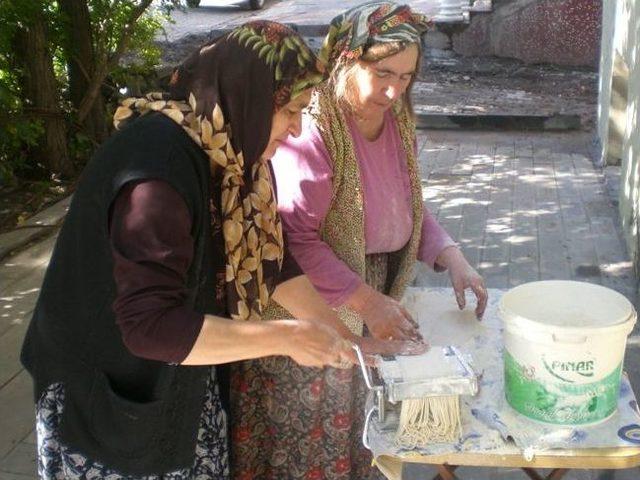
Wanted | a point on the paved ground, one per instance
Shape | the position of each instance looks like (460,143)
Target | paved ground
(218,14)
(523,207)
(527,207)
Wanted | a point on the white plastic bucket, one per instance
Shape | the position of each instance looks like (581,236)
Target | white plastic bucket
(564,348)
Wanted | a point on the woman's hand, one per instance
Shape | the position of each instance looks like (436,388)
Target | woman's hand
(309,343)
(464,276)
(385,318)
(315,344)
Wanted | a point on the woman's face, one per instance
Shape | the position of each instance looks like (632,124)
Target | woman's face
(286,121)
(379,84)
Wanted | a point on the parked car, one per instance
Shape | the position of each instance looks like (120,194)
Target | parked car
(254,4)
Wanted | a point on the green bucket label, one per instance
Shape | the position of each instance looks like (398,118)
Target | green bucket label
(562,401)
(569,372)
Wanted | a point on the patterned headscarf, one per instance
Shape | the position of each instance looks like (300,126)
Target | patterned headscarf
(351,33)
(224,96)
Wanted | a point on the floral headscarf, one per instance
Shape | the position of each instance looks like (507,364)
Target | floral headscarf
(376,22)
(224,96)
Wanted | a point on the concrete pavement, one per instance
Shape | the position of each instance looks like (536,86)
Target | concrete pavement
(215,15)
(40,225)
(523,206)
(21,276)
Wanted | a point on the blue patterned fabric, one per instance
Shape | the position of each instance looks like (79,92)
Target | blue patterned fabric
(58,462)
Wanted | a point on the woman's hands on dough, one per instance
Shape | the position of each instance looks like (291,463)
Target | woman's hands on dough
(385,318)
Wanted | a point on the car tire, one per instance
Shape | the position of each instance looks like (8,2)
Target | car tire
(193,3)
(256,4)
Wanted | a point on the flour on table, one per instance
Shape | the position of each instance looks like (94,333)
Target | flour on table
(440,320)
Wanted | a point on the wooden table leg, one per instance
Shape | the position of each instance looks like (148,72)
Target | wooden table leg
(445,472)
(532,474)
(556,474)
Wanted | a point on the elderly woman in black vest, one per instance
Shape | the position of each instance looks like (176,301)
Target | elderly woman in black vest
(170,251)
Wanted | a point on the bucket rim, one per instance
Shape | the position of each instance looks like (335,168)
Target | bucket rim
(511,320)
(509,316)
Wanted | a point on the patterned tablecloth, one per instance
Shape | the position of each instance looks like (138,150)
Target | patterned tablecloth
(489,424)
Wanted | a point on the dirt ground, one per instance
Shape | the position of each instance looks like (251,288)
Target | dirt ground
(453,84)
(490,85)
(26,198)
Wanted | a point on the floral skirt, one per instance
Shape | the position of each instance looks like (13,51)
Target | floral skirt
(293,422)
(56,461)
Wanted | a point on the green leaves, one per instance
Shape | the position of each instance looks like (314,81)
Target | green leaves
(109,22)
(307,82)
(273,52)
(264,50)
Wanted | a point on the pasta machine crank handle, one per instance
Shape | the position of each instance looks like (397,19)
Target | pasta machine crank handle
(378,390)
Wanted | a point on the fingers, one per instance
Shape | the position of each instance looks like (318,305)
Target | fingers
(475,282)
(319,345)
(460,295)
(414,325)
(408,316)
(482,296)
(388,320)
(402,332)
(346,355)
(410,331)
(415,330)
(404,327)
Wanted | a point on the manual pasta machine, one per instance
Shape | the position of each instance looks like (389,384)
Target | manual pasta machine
(440,372)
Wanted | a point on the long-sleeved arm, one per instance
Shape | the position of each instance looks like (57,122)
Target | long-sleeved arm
(152,249)
(303,170)
(433,241)
(333,279)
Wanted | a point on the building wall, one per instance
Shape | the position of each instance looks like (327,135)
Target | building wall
(618,109)
(563,32)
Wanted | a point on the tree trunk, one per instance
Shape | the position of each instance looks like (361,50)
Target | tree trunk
(42,94)
(81,64)
(110,59)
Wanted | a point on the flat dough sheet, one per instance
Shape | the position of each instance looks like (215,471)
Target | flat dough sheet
(440,320)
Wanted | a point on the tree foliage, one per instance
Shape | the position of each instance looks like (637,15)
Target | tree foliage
(62,63)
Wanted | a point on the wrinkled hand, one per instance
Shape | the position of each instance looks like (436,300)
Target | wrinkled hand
(464,276)
(315,344)
(385,318)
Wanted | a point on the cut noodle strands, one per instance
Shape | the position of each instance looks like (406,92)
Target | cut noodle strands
(429,420)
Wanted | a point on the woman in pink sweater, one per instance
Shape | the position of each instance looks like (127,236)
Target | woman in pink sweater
(350,197)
